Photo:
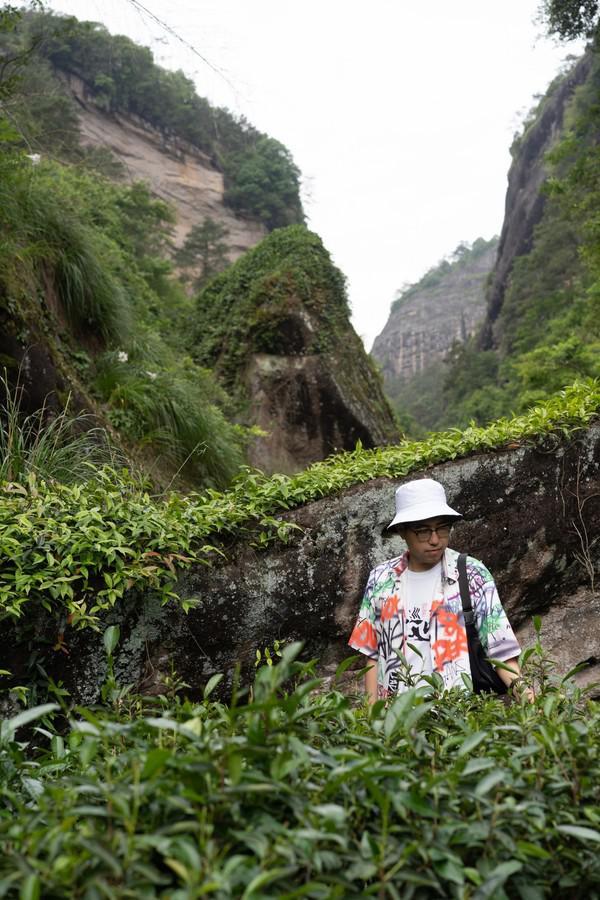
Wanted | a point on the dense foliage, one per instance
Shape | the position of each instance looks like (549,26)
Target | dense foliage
(261,178)
(294,793)
(252,307)
(76,549)
(93,252)
(84,252)
(570,19)
(548,329)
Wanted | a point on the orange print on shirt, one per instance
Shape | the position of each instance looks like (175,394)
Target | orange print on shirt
(454,642)
(389,608)
(364,636)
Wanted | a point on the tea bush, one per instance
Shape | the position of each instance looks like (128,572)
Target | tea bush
(289,792)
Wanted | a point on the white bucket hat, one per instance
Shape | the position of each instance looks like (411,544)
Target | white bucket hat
(421,499)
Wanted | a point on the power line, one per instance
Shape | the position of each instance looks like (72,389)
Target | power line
(139,7)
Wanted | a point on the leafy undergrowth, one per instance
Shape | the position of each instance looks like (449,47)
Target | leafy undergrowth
(288,792)
(76,549)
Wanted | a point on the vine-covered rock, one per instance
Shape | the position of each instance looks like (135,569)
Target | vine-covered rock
(276,327)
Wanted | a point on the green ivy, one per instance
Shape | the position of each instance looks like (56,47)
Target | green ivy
(75,550)
(242,310)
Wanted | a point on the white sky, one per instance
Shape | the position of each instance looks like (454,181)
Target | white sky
(399,113)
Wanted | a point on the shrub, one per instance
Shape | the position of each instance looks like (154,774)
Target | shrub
(295,793)
(173,408)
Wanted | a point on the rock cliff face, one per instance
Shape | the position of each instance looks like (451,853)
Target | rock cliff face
(175,170)
(524,197)
(308,408)
(530,515)
(447,305)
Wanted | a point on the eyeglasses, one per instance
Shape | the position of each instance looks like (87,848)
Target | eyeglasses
(424,534)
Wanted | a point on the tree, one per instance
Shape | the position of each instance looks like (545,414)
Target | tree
(569,19)
(265,182)
(204,251)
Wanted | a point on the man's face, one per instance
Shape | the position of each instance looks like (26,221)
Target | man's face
(426,549)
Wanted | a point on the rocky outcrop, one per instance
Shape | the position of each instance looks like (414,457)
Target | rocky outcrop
(447,305)
(308,409)
(525,200)
(175,170)
(426,321)
(276,328)
(531,514)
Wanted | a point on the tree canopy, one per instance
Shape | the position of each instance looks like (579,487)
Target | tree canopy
(569,19)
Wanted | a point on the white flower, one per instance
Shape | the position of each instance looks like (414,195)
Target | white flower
(151,375)
(34,157)
(122,356)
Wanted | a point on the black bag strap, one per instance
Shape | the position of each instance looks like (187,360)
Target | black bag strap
(483,674)
(463,586)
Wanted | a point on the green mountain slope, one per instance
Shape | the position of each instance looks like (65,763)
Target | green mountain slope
(261,178)
(542,328)
(91,304)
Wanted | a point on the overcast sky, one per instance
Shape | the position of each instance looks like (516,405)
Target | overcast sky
(399,113)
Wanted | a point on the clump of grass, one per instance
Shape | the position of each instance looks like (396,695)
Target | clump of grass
(64,446)
(175,411)
(75,261)
(91,298)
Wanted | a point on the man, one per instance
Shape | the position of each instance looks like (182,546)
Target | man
(412,603)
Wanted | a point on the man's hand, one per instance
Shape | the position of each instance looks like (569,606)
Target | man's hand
(514,681)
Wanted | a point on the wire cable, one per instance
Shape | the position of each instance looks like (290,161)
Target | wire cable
(143,9)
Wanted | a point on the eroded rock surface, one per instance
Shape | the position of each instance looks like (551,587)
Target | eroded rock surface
(433,315)
(530,514)
(525,198)
(276,328)
(308,409)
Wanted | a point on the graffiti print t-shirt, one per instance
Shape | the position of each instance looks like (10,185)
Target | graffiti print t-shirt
(418,591)
(389,621)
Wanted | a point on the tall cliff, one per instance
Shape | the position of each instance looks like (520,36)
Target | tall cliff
(542,325)
(525,196)
(445,307)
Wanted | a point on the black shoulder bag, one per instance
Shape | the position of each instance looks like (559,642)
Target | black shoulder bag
(483,674)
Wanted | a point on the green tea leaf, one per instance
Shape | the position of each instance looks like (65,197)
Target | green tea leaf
(581,832)
(211,684)
(111,638)
(489,782)
(471,742)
